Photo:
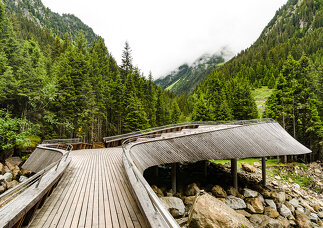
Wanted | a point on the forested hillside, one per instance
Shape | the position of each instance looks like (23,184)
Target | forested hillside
(186,77)
(28,13)
(288,58)
(64,89)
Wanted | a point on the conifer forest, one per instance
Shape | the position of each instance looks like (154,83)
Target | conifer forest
(64,83)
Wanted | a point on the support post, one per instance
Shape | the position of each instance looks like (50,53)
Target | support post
(174,178)
(206,163)
(156,171)
(263,168)
(234,172)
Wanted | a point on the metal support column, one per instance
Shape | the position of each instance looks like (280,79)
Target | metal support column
(263,169)
(174,177)
(234,172)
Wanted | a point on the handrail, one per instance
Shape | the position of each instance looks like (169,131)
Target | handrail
(15,191)
(156,203)
(56,141)
(241,122)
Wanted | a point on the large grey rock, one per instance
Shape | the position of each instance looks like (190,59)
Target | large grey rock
(235,202)
(284,211)
(248,193)
(173,203)
(7,177)
(278,197)
(294,202)
(257,219)
(218,191)
(211,212)
(270,203)
(314,217)
(271,223)
(271,212)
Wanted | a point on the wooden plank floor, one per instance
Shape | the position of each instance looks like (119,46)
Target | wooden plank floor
(94,192)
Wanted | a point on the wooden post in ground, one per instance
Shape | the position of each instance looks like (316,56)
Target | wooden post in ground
(234,172)
(174,178)
(263,169)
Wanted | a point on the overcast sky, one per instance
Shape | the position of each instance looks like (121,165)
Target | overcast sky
(165,34)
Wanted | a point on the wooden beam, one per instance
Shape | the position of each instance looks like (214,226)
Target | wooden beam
(174,178)
(263,168)
(234,172)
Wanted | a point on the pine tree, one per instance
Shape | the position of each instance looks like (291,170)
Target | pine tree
(126,61)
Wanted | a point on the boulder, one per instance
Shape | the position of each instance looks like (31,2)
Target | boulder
(235,202)
(294,202)
(12,184)
(270,203)
(248,168)
(192,189)
(1,178)
(244,213)
(218,191)
(3,187)
(174,205)
(302,220)
(22,178)
(284,211)
(320,214)
(211,212)
(189,200)
(158,191)
(285,222)
(271,212)
(6,169)
(257,219)
(290,207)
(7,177)
(16,173)
(2,169)
(278,197)
(271,223)
(233,191)
(12,162)
(255,205)
(248,193)
(26,172)
(314,217)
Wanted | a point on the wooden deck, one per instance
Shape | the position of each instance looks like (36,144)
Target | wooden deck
(94,192)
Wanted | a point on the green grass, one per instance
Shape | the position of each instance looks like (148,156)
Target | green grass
(302,181)
(261,95)
(269,162)
(172,85)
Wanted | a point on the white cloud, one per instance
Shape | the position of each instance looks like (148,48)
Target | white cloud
(164,34)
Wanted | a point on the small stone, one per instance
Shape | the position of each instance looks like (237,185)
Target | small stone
(256,164)
(248,193)
(320,214)
(271,212)
(12,162)
(314,217)
(302,220)
(1,178)
(3,188)
(15,173)
(218,191)
(235,203)
(316,207)
(278,197)
(320,223)
(26,172)
(233,191)
(291,217)
(290,207)
(189,200)
(22,178)
(192,189)
(285,222)
(284,211)
(257,219)
(290,180)
(270,203)
(6,169)
(7,177)
(158,191)
(294,202)
(277,177)
(248,168)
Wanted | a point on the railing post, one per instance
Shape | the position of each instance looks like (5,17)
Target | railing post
(58,164)
(41,176)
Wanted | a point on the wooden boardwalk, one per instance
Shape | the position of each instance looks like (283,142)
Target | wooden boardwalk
(94,192)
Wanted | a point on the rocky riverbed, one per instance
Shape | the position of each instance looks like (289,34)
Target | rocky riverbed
(281,203)
(11,173)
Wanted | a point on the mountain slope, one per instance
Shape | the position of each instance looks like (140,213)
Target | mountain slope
(185,78)
(59,25)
